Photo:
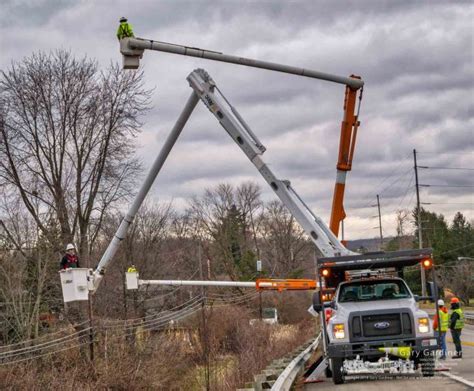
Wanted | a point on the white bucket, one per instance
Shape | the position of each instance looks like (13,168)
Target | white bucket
(131,278)
(74,284)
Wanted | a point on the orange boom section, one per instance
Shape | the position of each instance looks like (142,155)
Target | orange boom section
(347,141)
(285,284)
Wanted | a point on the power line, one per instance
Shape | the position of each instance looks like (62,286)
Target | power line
(446,203)
(33,340)
(444,153)
(457,248)
(393,172)
(150,324)
(397,179)
(440,185)
(445,168)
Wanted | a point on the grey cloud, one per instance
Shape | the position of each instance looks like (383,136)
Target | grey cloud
(416,59)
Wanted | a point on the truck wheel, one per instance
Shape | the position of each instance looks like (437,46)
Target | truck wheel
(427,363)
(336,366)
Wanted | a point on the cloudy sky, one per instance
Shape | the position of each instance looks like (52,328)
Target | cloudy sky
(416,58)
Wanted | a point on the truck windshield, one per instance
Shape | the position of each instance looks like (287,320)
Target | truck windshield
(373,290)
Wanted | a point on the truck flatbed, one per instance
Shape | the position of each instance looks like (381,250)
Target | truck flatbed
(376,260)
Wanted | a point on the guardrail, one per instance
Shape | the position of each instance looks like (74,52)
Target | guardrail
(288,376)
(282,373)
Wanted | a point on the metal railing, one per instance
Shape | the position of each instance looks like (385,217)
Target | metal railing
(289,374)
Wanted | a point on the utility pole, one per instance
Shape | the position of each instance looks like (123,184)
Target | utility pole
(91,330)
(207,366)
(420,230)
(379,215)
(259,271)
(380,222)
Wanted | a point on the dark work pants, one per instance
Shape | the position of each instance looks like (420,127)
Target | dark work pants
(456,334)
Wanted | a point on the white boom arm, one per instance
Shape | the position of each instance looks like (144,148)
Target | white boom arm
(205,89)
(326,242)
(132,51)
(133,282)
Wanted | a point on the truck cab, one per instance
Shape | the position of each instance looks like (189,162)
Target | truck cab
(372,321)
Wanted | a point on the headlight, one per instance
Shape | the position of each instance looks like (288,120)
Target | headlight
(338,331)
(423,325)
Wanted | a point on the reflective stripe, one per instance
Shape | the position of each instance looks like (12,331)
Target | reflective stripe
(125,30)
(341,176)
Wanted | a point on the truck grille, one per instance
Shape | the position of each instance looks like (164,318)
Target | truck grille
(380,325)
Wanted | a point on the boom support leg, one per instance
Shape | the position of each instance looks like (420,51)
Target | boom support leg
(155,169)
(347,141)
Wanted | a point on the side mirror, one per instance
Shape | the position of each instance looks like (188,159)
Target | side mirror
(317,305)
(416,297)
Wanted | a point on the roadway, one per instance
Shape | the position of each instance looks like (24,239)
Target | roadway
(445,381)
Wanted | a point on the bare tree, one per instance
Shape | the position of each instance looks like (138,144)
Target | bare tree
(286,246)
(27,285)
(66,132)
(405,241)
(458,278)
(226,217)
(249,202)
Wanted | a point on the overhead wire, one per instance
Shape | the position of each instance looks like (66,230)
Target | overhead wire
(44,354)
(394,174)
(146,317)
(126,329)
(447,203)
(443,185)
(45,345)
(445,168)
(457,153)
(33,340)
(167,293)
(67,339)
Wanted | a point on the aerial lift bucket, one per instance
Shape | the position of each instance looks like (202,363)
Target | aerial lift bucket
(75,284)
(131,279)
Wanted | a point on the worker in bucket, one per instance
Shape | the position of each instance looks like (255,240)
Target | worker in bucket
(132,269)
(456,324)
(125,29)
(70,259)
(441,321)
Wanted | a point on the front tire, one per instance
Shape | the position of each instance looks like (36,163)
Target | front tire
(336,366)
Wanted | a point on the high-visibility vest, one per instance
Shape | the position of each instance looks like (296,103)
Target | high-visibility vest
(131,269)
(460,321)
(443,319)
(124,30)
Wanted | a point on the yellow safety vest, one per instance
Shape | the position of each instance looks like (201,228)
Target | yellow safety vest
(131,269)
(124,30)
(443,319)
(460,322)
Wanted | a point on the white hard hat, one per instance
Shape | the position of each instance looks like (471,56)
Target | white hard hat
(441,302)
(70,246)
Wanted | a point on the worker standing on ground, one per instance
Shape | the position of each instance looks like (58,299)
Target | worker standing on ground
(456,324)
(125,29)
(443,318)
(70,259)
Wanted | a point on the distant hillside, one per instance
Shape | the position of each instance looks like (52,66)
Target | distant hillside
(374,244)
